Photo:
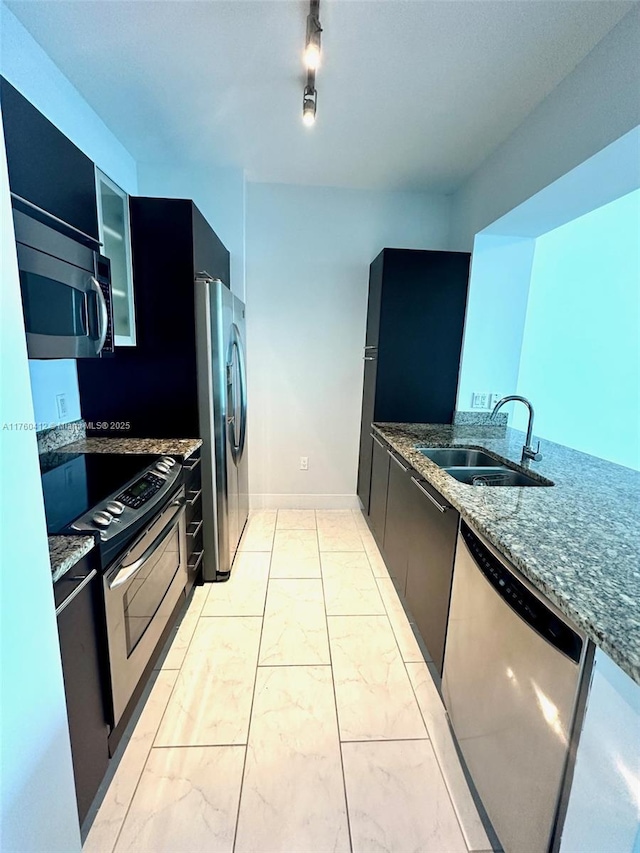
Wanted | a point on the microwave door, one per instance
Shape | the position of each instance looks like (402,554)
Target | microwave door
(64,308)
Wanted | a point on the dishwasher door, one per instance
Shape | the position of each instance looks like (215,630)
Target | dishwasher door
(510,689)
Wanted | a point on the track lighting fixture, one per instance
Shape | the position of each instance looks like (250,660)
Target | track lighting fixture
(309,102)
(312,62)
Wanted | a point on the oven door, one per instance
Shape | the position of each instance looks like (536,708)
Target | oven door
(65,311)
(141,591)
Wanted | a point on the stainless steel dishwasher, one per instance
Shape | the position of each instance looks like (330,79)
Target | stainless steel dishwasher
(512,675)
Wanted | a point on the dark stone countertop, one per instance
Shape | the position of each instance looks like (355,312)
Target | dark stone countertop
(577,541)
(66,551)
(172,446)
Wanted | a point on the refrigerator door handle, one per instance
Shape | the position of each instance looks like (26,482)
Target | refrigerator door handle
(243,392)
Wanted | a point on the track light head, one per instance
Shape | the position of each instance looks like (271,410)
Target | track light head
(312,47)
(309,102)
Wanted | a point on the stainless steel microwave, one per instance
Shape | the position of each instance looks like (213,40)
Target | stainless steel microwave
(66,292)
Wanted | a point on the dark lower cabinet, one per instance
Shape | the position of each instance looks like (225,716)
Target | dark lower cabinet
(80,630)
(433,533)
(379,488)
(397,544)
(416,529)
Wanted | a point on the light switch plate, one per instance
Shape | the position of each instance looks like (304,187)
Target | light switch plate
(61,403)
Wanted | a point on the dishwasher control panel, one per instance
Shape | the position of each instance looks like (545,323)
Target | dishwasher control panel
(527,605)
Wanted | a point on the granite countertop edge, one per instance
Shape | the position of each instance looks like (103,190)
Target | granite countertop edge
(184,447)
(546,565)
(66,551)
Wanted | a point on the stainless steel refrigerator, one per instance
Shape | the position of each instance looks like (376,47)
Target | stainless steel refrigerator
(222,405)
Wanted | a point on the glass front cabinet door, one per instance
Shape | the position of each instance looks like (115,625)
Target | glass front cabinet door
(115,234)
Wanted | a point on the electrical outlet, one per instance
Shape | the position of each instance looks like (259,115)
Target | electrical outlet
(61,403)
(304,463)
(479,400)
(484,400)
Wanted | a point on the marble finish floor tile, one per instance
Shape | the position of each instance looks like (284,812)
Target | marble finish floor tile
(258,533)
(349,586)
(293,792)
(339,539)
(180,643)
(335,519)
(296,519)
(295,554)
(186,802)
(359,520)
(244,593)
(435,717)
(406,639)
(295,627)
(211,701)
(113,809)
(373,693)
(372,551)
(397,799)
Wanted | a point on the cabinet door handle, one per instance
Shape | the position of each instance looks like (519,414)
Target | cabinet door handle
(377,440)
(369,358)
(437,505)
(194,497)
(76,591)
(371,346)
(397,461)
(193,465)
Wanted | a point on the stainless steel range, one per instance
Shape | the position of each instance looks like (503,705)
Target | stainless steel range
(135,507)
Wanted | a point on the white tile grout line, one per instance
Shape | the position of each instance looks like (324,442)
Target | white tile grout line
(335,698)
(253,694)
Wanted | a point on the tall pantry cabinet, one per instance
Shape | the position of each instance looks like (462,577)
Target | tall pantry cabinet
(415,319)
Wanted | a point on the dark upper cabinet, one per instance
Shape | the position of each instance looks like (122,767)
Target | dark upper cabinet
(152,387)
(45,167)
(415,319)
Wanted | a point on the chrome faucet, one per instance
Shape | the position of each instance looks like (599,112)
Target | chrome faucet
(528,453)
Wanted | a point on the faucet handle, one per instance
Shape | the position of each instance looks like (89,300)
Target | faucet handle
(530,453)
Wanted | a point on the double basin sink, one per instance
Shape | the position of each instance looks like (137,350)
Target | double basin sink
(478,468)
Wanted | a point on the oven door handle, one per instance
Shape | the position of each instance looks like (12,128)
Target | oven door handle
(127,572)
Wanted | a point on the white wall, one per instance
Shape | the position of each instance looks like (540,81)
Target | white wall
(494,323)
(308,256)
(27,67)
(594,105)
(219,193)
(36,776)
(580,360)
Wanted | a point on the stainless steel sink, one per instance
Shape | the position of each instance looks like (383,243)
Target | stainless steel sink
(498,475)
(465,457)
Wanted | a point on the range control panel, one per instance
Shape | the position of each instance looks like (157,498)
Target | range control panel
(112,516)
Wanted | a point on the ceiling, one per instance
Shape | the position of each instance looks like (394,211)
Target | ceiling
(412,94)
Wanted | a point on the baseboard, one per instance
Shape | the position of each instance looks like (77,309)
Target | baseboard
(304,502)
